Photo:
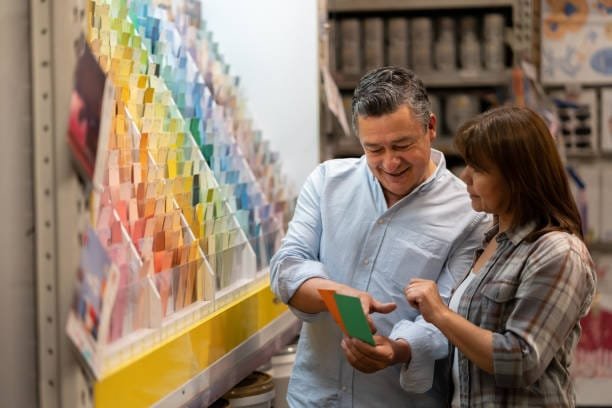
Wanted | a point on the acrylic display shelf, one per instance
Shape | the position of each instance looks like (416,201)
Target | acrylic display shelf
(149,365)
(105,359)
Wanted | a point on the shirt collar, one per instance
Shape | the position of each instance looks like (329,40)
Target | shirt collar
(438,158)
(514,235)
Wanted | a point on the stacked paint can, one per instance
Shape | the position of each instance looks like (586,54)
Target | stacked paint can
(281,365)
(255,391)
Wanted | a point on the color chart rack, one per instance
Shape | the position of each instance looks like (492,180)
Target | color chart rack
(187,206)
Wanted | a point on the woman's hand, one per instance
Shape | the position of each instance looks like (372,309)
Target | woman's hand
(424,296)
(476,343)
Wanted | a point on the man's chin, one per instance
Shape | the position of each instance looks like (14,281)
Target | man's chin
(398,191)
(398,183)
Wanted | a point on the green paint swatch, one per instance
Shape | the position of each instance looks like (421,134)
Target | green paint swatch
(353,318)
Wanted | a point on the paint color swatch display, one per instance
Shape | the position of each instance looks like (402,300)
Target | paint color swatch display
(188,203)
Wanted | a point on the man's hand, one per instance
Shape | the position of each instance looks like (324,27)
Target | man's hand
(368,303)
(371,305)
(307,298)
(369,359)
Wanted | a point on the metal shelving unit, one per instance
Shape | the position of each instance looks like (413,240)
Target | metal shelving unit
(395,5)
(482,84)
(59,200)
(440,79)
(605,247)
(45,191)
(60,203)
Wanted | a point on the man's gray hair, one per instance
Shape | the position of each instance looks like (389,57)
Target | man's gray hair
(383,90)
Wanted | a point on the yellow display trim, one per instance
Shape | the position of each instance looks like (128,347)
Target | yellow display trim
(165,368)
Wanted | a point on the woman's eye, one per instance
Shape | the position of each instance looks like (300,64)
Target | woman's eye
(479,170)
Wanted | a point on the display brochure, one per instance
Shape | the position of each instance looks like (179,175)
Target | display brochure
(85,108)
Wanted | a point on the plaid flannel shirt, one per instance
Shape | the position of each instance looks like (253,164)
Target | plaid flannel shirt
(531,296)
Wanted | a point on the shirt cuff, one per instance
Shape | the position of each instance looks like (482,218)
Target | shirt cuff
(417,375)
(306,317)
(293,274)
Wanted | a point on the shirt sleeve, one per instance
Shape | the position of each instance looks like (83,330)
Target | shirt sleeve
(556,289)
(427,343)
(297,260)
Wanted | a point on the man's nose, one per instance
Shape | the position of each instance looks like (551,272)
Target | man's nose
(391,161)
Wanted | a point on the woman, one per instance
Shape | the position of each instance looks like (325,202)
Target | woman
(513,322)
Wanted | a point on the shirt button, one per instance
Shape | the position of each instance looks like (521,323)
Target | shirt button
(366,261)
(344,388)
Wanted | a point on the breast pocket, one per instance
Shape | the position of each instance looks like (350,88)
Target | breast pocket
(415,257)
(499,299)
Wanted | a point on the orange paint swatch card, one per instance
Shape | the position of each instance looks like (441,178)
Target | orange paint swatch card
(138,228)
(149,208)
(159,241)
(116,237)
(133,210)
(180,272)
(330,302)
(158,261)
(122,211)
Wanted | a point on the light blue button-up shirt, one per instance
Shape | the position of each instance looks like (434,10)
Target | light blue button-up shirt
(342,230)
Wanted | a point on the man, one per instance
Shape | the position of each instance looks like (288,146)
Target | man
(365,227)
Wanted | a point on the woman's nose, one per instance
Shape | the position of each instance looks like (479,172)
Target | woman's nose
(466,174)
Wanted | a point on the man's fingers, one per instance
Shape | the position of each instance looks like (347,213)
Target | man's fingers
(362,356)
(378,307)
(357,359)
(371,324)
(366,352)
(361,350)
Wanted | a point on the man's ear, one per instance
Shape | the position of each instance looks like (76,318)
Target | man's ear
(431,125)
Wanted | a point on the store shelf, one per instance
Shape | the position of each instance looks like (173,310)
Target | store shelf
(593,392)
(206,359)
(348,147)
(394,5)
(349,19)
(600,246)
(586,157)
(445,145)
(459,80)
(581,154)
(215,381)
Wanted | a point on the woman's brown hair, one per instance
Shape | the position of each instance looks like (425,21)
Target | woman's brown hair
(518,142)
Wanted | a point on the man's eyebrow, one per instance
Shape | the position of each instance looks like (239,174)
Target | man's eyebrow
(403,139)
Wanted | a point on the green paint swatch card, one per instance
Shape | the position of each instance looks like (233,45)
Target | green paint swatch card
(354,320)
